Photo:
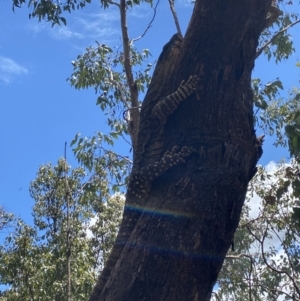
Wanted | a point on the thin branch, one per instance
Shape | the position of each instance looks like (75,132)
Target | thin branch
(248,228)
(217,297)
(149,25)
(251,270)
(276,290)
(126,112)
(117,155)
(285,249)
(251,222)
(68,247)
(238,256)
(128,142)
(112,2)
(250,277)
(259,51)
(175,16)
(106,152)
(256,111)
(274,269)
(119,87)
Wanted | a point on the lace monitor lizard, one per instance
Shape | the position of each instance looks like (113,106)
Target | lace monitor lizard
(150,159)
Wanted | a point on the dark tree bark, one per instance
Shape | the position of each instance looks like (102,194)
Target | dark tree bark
(187,221)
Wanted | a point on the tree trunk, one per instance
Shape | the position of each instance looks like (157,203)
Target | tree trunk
(188,219)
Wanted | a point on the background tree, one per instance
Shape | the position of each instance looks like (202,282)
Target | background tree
(33,261)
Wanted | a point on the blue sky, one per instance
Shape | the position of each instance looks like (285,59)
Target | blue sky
(39,110)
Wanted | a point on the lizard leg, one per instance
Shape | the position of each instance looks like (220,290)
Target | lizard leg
(169,104)
(140,182)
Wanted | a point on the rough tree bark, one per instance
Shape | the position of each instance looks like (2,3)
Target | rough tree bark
(184,224)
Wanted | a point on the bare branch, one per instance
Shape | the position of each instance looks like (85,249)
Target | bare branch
(276,290)
(251,221)
(128,142)
(127,112)
(175,16)
(248,228)
(149,25)
(251,269)
(238,256)
(274,269)
(259,51)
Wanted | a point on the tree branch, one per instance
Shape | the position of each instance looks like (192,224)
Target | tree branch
(135,116)
(251,221)
(217,297)
(68,242)
(120,89)
(149,25)
(175,16)
(251,269)
(238,256)
(274,269)
(276,290)
(259,51)
(112,2)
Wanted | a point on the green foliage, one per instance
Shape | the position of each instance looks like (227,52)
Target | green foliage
(292,130)
(282,45)
(130,3)
(107,165)
(104,229)
(104,70)
(6,219)
(265,264)
(33,262)
(272,112)
(264,94)
(51,11)
(93,67)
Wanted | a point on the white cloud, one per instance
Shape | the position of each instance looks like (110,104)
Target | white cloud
(255,205)
(9,68)
(62,33)
(57,32)
(93,26)
(92,223)
(38,27)
(111,16)
(87,26)
(271,167)
(141,11)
